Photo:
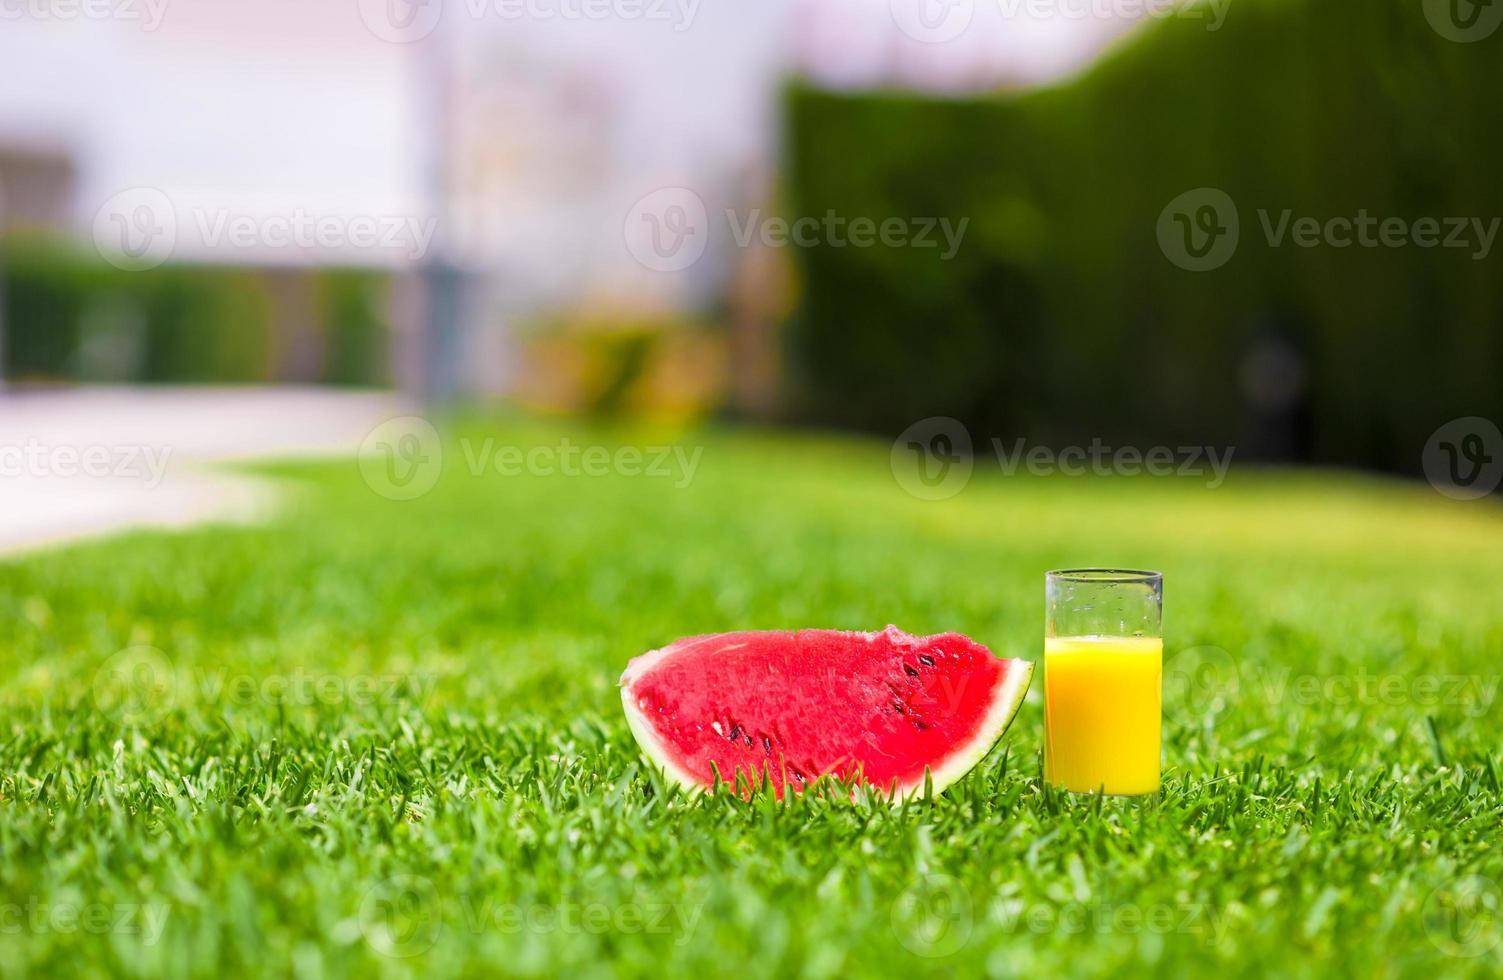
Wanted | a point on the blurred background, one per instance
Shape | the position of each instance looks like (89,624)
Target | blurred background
(594,207)
(542,332)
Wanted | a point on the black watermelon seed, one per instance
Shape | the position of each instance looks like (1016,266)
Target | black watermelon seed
(909,671)
(735,732)
(926,660)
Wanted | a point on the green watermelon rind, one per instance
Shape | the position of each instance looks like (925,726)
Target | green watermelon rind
(1006,703)
(647,738)
(1007,700)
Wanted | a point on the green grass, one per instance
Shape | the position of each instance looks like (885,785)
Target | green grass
(390,741)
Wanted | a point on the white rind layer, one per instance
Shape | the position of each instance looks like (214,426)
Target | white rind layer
(1007,698)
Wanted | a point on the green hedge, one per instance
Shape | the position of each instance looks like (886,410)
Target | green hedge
(356,335)
(70,317)
(1060,318)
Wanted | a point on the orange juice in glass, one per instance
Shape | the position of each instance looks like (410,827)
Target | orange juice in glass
(1103,676)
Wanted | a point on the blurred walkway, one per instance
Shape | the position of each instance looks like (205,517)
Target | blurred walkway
(81,462)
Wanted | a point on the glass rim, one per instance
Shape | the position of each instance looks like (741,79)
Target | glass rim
(1105,576)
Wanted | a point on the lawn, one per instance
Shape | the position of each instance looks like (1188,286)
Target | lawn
(379,737)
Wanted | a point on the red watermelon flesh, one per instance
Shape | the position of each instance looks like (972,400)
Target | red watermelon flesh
(881,707)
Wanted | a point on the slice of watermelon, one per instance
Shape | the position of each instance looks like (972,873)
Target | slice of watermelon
(879,707)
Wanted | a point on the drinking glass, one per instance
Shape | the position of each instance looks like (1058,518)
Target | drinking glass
(1103,680)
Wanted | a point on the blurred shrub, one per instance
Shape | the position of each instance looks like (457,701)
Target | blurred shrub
(613,366)
(202,325)
(45,294)
(1061,319)
(352,312)
(69,316)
